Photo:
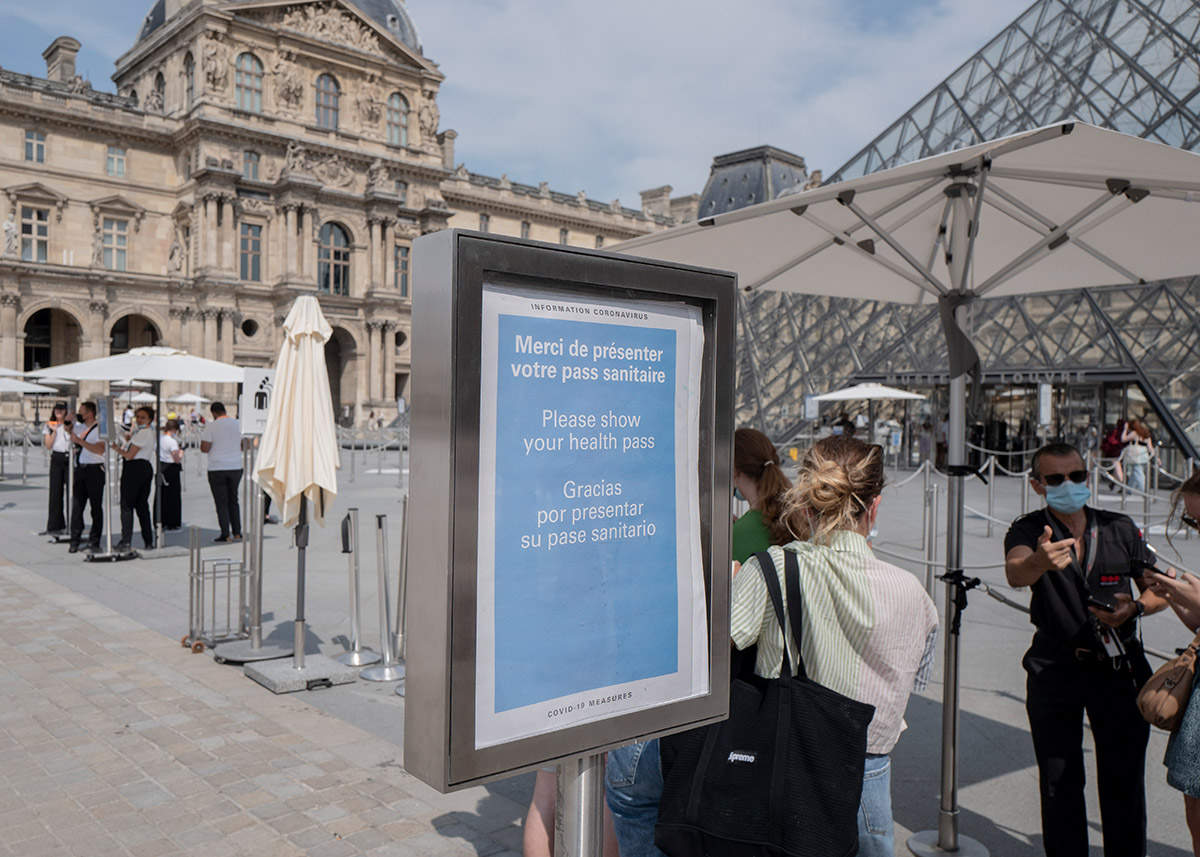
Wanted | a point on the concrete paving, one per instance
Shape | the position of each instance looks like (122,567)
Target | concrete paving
(114,739)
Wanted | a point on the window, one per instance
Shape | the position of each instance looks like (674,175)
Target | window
(116,241)
(599,241)
(114,164)
(402,270)
(563,235)
(402,191)
(189,81)
(327,102)
(397,120)
(35,234)
(333,260)
(250,165)
(251,251)
(248,84)
(524,228)
(35,147)
(484,222)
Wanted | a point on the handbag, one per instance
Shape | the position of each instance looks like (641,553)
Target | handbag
(1164,698)
(783,776)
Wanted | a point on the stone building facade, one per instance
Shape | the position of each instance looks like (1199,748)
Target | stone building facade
(254,150)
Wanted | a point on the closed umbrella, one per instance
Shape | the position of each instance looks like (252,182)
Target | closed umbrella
(298,453)
(1062,207)
(16,385)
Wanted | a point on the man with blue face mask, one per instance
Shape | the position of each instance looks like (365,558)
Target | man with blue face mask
(1086,656)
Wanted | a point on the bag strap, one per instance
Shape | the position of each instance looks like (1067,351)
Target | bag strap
(771,579)
(783,715)
(791,574)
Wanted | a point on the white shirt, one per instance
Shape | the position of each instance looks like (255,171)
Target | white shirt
(225,435)
(62,443)
(143,439)
(167,445)
(92,435)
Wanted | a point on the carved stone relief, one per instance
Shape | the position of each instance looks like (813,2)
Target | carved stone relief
(215,61)
(324,21)
(370,103)
(289,85)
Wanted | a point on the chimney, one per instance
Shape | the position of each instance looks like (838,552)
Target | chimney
(60,59)
(447,138)
(657,201)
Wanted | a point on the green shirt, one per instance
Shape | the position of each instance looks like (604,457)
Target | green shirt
(750,535)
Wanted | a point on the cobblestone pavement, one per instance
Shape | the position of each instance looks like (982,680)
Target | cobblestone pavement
(114,742)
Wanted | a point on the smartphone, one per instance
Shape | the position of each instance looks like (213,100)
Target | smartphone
(1100,605)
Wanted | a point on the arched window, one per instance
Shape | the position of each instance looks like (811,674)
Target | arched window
(248,84)
(327,101)
(333,260)
(189,80)
(397,120)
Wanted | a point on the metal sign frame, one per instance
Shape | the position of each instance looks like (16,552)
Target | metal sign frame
(451,268)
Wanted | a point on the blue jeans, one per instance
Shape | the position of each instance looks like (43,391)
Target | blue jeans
(876,833)
(633,786)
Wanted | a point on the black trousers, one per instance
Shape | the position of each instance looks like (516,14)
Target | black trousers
(137,477)
(172,498)
(1059,690)
(60,469)
(224,485)
(89,490)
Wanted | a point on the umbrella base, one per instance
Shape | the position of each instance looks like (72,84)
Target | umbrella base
(242,651)
(392,672)
(361,658)
(163,552)
(925,844)
(281,676)
(115,556)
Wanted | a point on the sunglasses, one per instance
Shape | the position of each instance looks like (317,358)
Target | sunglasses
(1055,479)
(1190,521)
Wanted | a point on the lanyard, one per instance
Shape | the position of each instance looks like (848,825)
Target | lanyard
(1093,530)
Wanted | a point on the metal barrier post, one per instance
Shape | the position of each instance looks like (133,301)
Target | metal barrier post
(1025,492)
(991,493)
(356,657)
(1095,467)
(351,456)
(925,511)
(931,539)
(1146,516)
(1124,491)
(387,669)
(401,586)
(25,455)
(379,452)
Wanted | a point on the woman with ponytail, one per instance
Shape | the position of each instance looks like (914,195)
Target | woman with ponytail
(868,627)
(758,479)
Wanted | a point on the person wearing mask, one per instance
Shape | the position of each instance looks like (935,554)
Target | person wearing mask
(633,776)
(1086,656)
(56,437)
(137,477)
(89,478)
(1138,451)
(221,440)
(170,464)
(1182,593)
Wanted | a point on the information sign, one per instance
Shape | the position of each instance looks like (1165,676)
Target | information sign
(256,400)
(812,407)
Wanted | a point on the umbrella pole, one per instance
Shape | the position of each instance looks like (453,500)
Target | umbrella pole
(158,477)
(301,550)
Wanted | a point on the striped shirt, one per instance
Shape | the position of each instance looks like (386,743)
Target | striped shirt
(868,627)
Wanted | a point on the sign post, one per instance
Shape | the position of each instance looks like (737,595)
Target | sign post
(572,437)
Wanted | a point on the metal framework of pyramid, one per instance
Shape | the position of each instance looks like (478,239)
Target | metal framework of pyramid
(1129,65)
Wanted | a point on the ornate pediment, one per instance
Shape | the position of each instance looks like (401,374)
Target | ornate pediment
(36,192)
(118,205)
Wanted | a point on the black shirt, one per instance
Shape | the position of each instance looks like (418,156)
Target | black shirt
(1057,606)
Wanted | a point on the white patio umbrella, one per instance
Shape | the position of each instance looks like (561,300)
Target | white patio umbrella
(870,392)
(155,364)
(1057,208)
(143,398)
(9,384)
(298,452)
(189,399)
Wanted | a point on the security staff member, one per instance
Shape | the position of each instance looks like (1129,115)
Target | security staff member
(137,476)
(89,477)
(1085,656)
(56,437)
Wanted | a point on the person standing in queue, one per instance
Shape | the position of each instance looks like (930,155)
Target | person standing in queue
(1086,656)
(222,442)
(56,437)
(137,477)
(170,463)
(89,478)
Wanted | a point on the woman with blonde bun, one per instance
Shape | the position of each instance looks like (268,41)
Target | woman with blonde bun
(868,627)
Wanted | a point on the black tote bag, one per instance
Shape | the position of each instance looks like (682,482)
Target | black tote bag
(782,777)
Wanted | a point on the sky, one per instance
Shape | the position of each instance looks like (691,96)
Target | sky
(627,95)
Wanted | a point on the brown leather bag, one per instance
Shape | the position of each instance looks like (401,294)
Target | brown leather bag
(1164,699)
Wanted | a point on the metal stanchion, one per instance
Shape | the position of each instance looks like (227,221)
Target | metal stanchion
(352,457)
(1095,467)
(925,511)
(379,452)
(1146,516)
(579,807)
(25,455)
(387,670)
(1025,494)
(991,493)
(931,503)
(402,593)
(399,459)
(357,656)
(1124,492)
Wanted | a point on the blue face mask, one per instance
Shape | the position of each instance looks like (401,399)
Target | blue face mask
(1069,497)
(737,493)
